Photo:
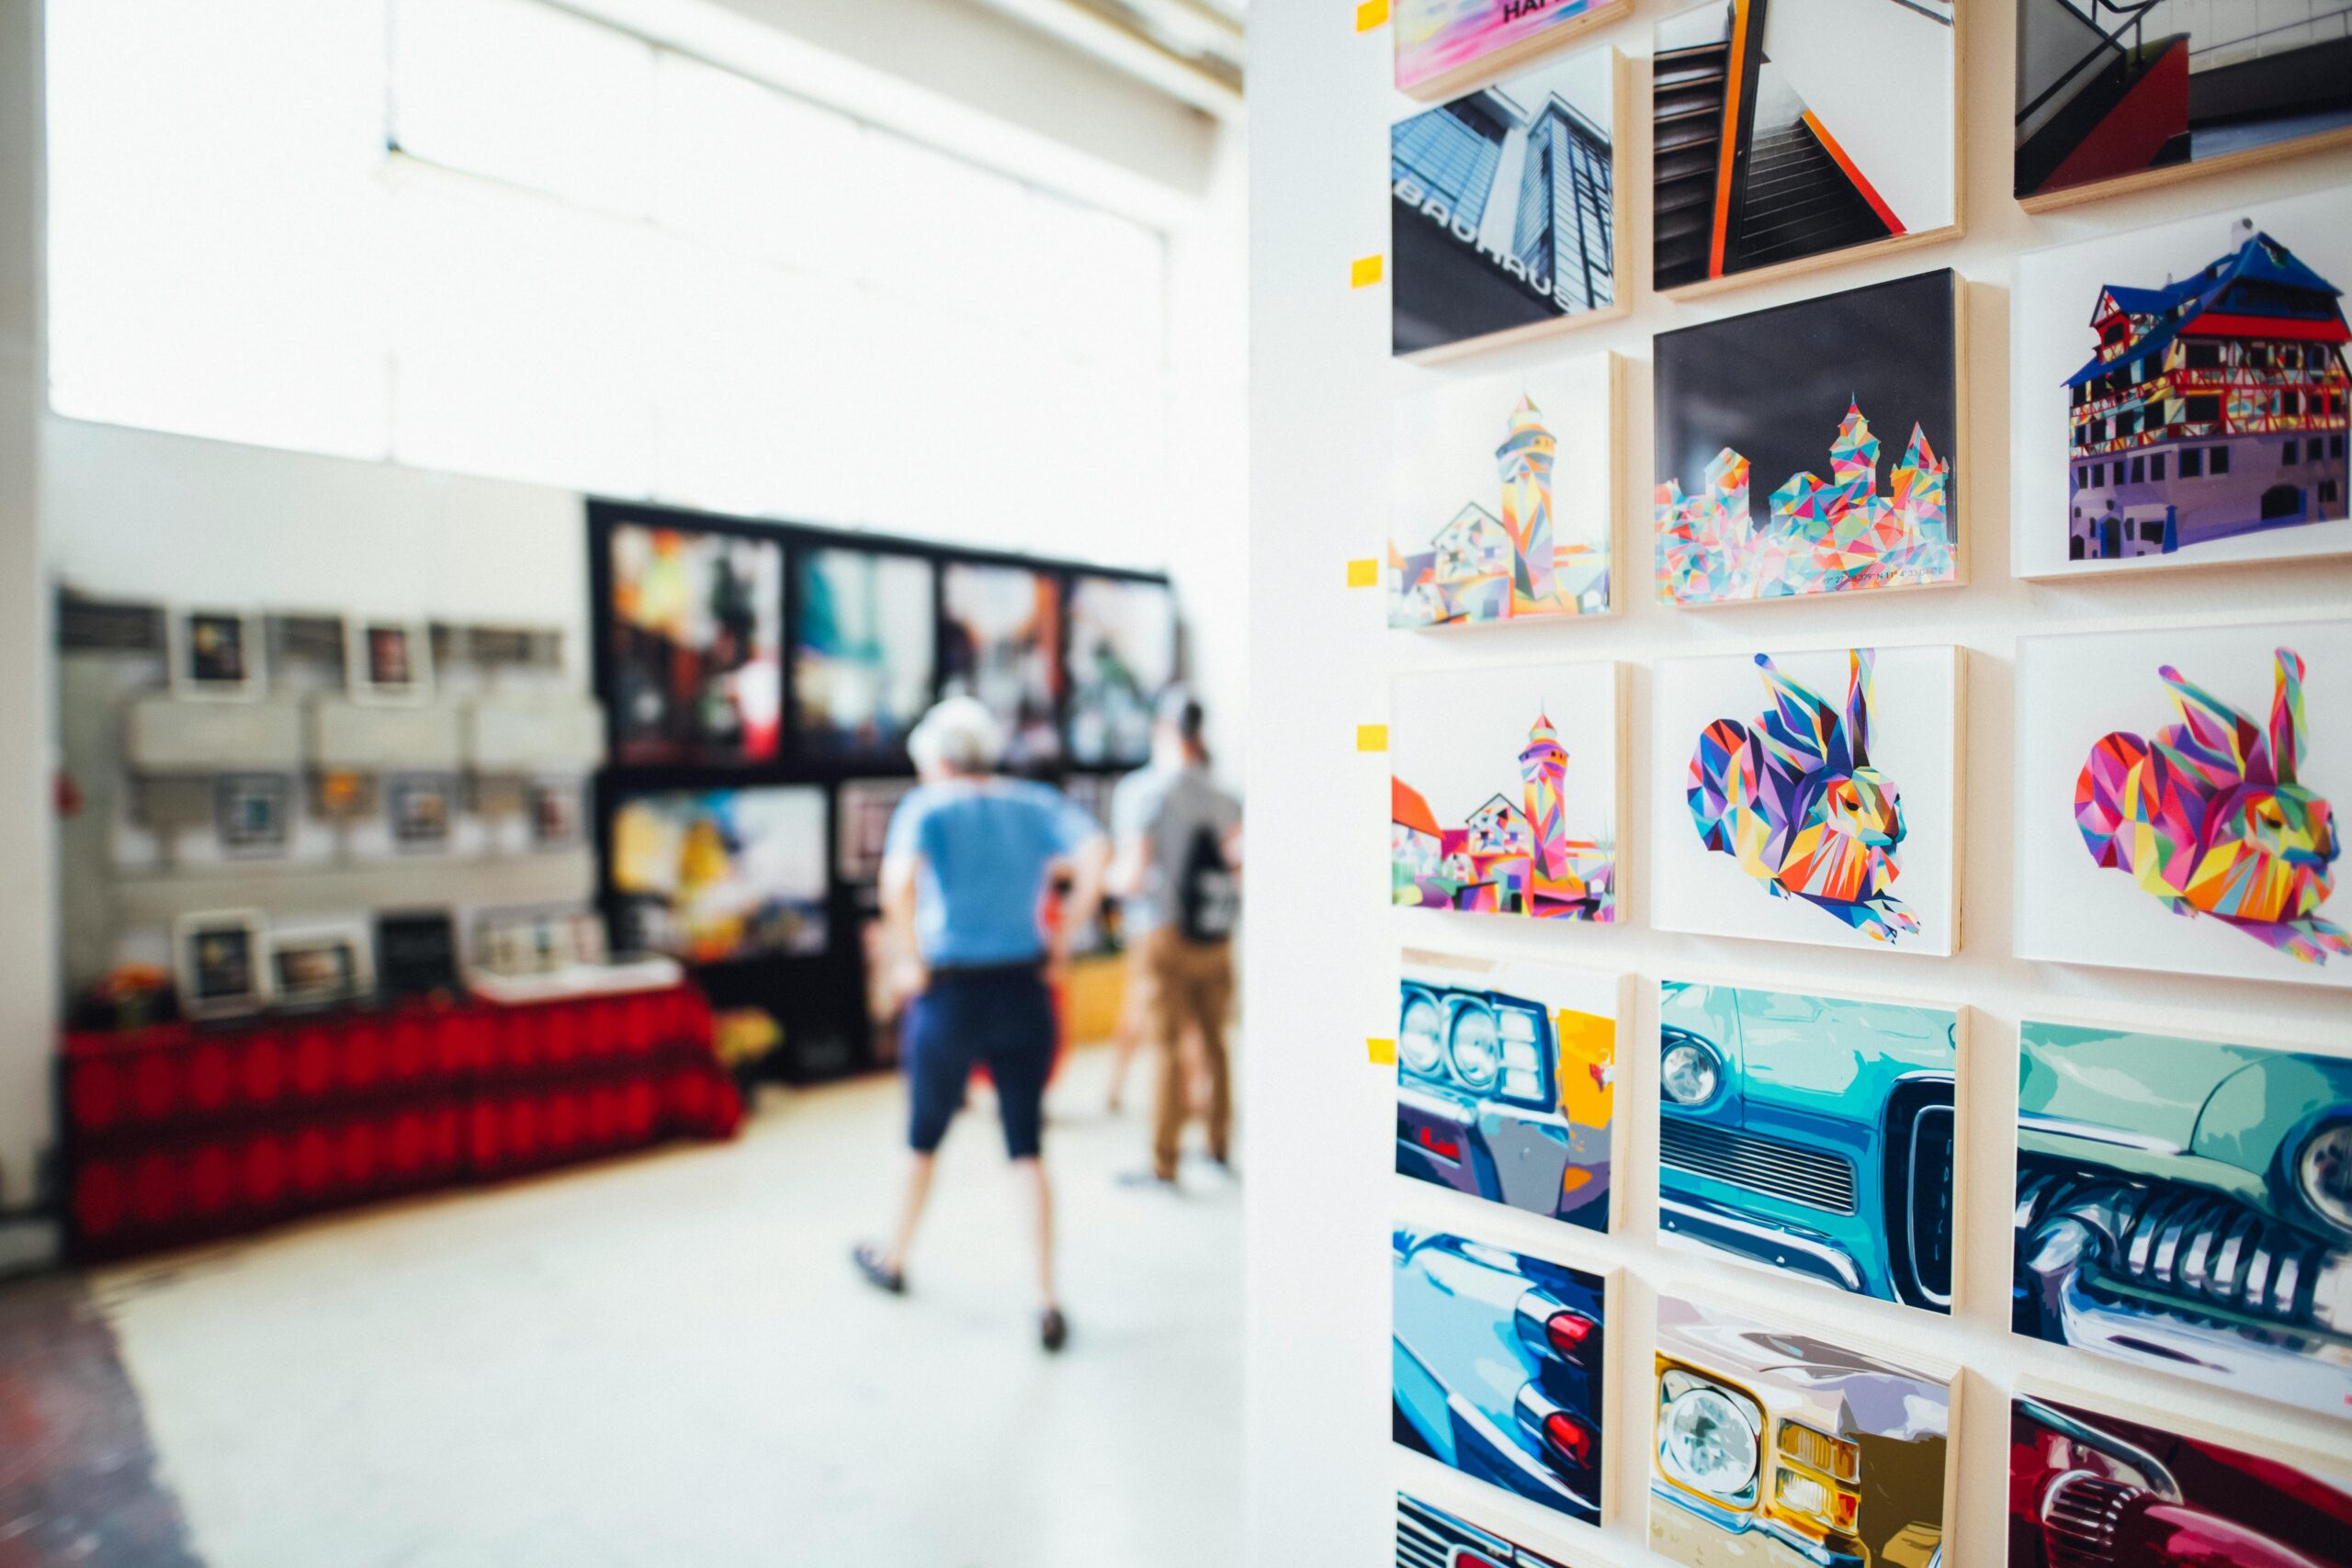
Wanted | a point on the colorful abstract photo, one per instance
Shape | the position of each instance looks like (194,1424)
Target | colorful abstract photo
(2117,94)
(1810,797)
(2178,799)
(1443,44)
(1773,392)
(2087,1486)
(1507,1083)
(1787,129)
(1122,656)
(2185,1206)
(1812,1135)
(694,634)
(1774,1447)
(709,876)
(2180,395)
(1499,1368)
(1502,496)
(864,650)
(1504,791)
(1003,646)
(1504,206)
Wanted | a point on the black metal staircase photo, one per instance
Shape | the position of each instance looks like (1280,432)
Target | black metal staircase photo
(1797,202)
(1688,88)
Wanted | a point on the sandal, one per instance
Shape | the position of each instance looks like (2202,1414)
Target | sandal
(879,1274)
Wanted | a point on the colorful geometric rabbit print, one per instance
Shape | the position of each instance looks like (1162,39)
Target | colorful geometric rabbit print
(2208,819)
(1793,797)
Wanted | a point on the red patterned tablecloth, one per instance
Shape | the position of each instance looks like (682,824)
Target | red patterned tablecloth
(185,1131)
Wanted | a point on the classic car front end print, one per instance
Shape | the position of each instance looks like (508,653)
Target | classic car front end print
(2185,1205)
(1506,1077)
(1428,1537)
(1775,1445)
(2089,1490)
(1499,1364)
(1810,1134)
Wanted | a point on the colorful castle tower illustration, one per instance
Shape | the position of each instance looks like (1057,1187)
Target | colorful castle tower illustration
(1525,458)
(1543,771)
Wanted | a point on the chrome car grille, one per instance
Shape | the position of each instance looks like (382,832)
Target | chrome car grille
(1429,1539)
(2079,1518)
(1770,1165)
(2186,1246)
(1919,1190)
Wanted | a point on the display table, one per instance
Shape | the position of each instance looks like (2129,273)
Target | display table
(188,1131)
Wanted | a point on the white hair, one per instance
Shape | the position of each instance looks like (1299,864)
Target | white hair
(958,734)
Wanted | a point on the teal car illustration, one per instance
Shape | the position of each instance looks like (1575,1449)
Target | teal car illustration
(1810,1135)
(2188,1204)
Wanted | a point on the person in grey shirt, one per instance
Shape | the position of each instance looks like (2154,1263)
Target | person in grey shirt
(1176,867)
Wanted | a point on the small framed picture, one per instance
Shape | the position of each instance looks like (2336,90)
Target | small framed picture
(217,958)
(417,951)
(555,813)
(216,655)
(588,944)
(249,812)
(387,661)
(421,807)
(320,967)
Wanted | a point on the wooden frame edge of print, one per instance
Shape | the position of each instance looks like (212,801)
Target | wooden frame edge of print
(1677,1252)
(2336,1469)
(1483,70)
(2131,566)
(2149,179)
(1621,913)
(1958,799)
(1620,1117)
(1621,132)
(179,677)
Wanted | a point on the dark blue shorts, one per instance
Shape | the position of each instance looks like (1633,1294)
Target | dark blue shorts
(1001,1019)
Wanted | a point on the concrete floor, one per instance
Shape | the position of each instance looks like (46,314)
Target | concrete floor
(667,1360)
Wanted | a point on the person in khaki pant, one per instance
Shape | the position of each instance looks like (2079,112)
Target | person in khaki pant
(1176,867)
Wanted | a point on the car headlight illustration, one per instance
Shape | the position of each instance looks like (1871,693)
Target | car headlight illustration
(2323,1171)
(1709,1437)
(1688,1072)
(1419,1036)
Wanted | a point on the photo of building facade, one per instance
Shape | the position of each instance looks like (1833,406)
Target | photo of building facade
(2214,407)
(1502,206)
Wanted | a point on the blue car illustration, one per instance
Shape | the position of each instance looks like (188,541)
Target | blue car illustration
(1810,1135)
(1499,1361)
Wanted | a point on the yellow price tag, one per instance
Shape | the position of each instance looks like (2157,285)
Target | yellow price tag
(1372,738)
(1363,574)
(1363,272)
(1383,1051)
(1371,14)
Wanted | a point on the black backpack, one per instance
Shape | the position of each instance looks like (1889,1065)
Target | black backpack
(1208,896)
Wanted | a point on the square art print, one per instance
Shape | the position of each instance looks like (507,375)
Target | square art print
(1505,791)
(1801,129)
(2184,1206)
(1502,496)
(1861,377)
(1812,1135)
(1507,1083)
(1428,1534)
(1810,798)
(1769,1440)
(1506,208)
(2116,95)
(1445,45)
(2180,395)
(2177,797)
(1499,1368)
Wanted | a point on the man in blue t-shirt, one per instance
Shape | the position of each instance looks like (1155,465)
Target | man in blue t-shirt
(964,873)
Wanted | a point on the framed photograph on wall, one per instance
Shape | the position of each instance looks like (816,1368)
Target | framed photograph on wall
(862,813)
(2179,799)
(417,951)
(421,809)
(1503,494)
(707,875)
(692,649)
(1798,133)
(1507,207)
(321,966)
(251,814)
(2115,96)
(1445,46)
(1765,397)
(216,655)
(1810,797)
(1123,653)
(1506,790)
(864,651)
(554,808)
(2180,395)
(217,960)
(387,661)
(1004,640)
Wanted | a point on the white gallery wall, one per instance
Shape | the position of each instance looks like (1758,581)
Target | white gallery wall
(1324,943)
(536,372)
